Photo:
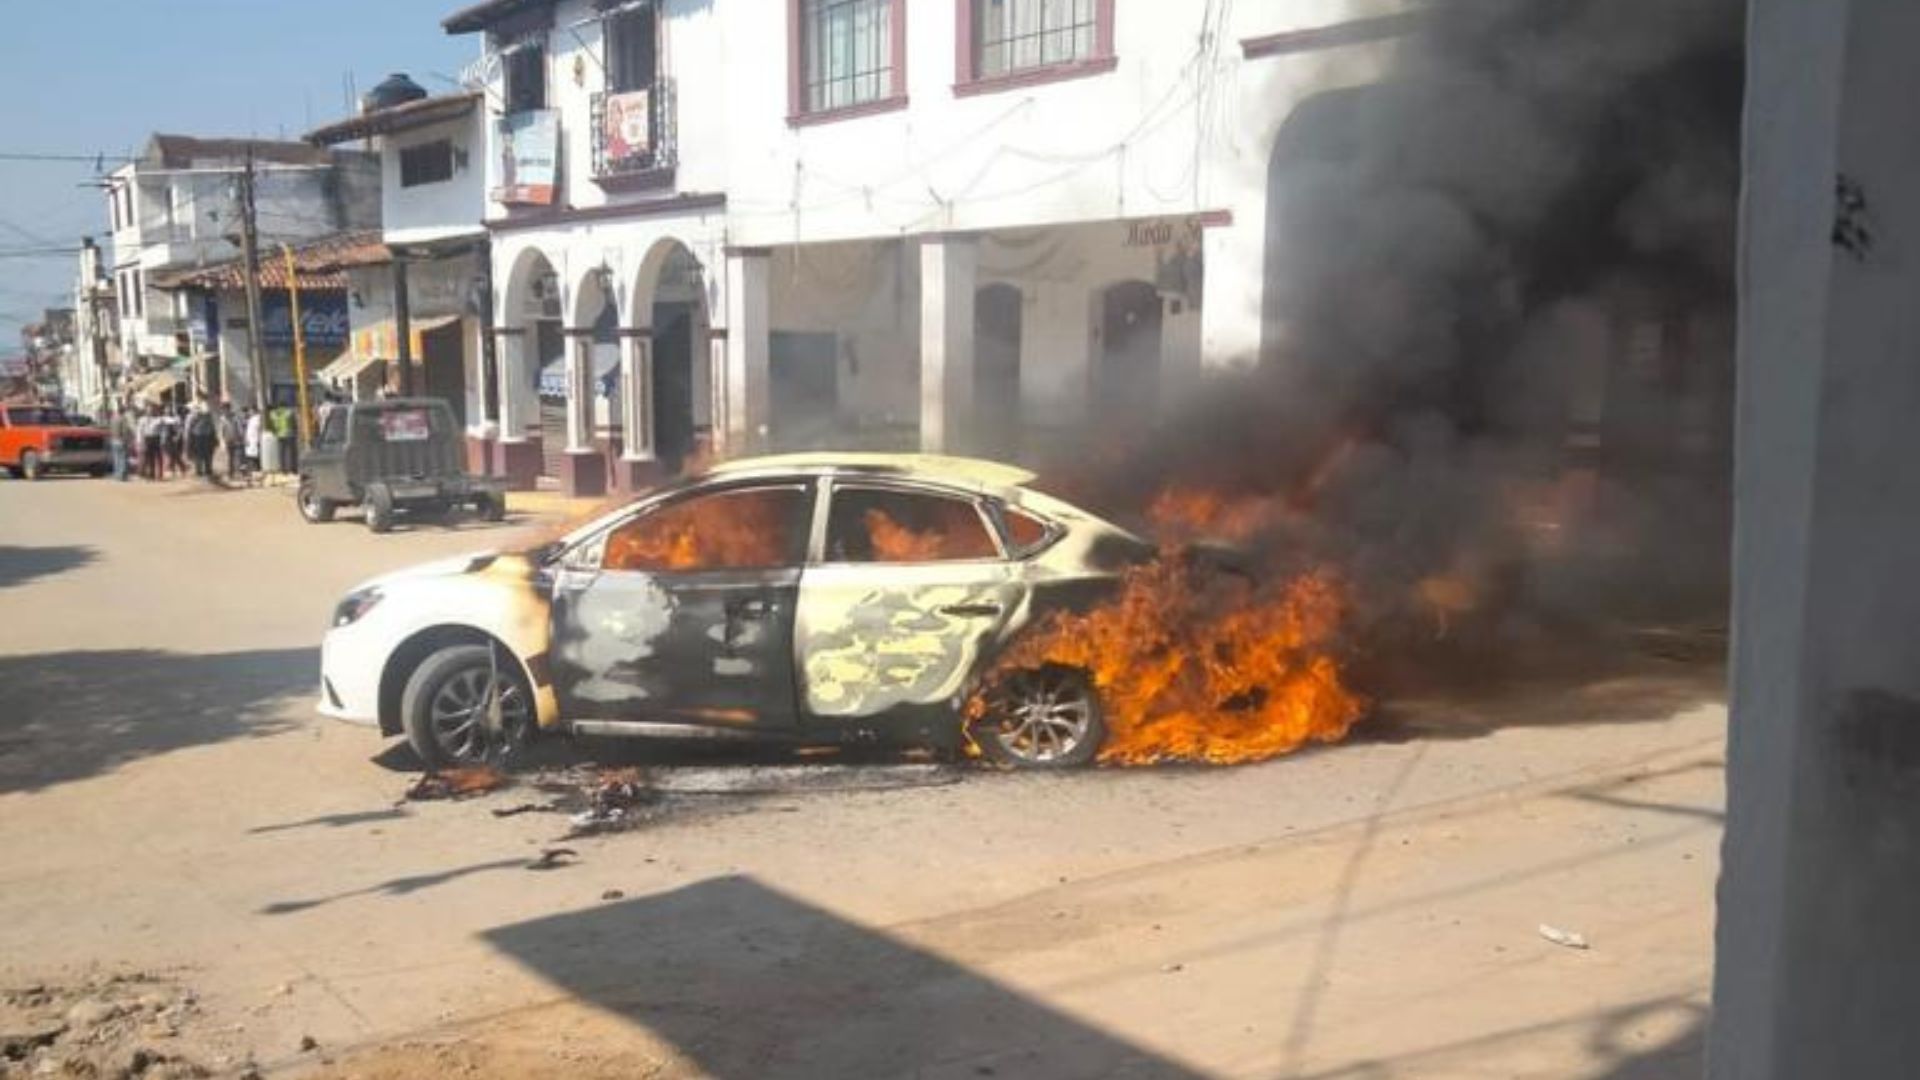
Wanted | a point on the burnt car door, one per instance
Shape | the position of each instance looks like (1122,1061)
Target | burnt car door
(684,612)
(910,590)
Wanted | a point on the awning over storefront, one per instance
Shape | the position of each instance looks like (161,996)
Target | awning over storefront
(154,385)
(349,366)
(381,341)
(553,377)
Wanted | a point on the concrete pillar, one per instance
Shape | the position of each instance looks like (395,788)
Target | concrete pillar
(585,473)
(1818,943)
(516,456)
(638,466)
(748,336)
(1232,285)
(949,270)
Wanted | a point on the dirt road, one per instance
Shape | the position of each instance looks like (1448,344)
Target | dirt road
(169,803)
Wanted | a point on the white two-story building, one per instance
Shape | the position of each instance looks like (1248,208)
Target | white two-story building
(988,225)
(176,209)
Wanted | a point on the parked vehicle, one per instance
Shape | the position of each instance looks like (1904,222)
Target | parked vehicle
(39,439)
(401,456)
(810,599)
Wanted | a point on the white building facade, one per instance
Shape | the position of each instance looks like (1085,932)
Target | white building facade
(997,226)
(432,153)
(176,209)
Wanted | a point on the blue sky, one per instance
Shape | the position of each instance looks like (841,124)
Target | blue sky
(100,76)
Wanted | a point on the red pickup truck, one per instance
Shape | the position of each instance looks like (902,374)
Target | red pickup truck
(37,439)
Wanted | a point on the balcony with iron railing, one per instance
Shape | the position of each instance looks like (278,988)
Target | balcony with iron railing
(635,138)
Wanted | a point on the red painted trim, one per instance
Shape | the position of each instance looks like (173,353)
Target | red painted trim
(796,61)
(899,23)
(963,70)
(1037,76)
(850,112)
(1356,32)
(1103,29)
(638,209)
(1214,219)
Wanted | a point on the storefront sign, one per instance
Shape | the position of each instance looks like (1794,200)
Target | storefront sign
(628,125)
(323,316)
(526,162)
(1161,232)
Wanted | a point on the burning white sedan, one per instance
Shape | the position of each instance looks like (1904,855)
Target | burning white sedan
(806,598)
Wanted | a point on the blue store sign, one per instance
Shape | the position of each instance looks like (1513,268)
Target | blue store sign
(323,313)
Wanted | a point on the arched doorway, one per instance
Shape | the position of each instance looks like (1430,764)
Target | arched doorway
(1126,378)
(531,338)
(996,368)
(674,400)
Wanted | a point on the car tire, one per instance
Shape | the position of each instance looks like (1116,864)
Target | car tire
(379,509)
(1045,719)
(313,508)
(491,507)
(454,679)
(29,465)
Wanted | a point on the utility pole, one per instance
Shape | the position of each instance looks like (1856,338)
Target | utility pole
(250,258)
(403,323)
(305,427)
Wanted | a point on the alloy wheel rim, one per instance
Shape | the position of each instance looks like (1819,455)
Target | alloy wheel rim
(458,712)
(1046,716)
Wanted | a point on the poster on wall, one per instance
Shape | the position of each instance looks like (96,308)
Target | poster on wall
(526,158)
(628,130)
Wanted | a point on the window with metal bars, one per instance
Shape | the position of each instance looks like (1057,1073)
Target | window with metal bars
(1020,35)
(847,49)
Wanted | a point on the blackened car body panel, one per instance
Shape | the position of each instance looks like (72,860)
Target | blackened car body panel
(684,611)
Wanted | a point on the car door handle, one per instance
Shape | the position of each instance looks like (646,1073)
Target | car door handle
(971,611)
(755,609)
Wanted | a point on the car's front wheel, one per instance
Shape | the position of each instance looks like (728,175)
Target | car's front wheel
(29,465)
(1044,719)
(445,707)
(316,510)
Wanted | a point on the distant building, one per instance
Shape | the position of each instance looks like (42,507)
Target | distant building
(87,376)
(419,319)
(176,209)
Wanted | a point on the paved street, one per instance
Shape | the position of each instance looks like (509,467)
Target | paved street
(170,803)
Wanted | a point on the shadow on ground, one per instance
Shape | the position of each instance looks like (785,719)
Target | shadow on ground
(21,565)
(1635,677)
(746,982)
(68,716)
(1661,1039)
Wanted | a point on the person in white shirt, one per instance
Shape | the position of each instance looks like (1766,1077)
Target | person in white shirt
(254,426)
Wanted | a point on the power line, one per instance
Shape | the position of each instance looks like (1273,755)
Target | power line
(7,155)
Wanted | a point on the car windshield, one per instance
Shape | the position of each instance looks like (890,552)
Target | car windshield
(37,416)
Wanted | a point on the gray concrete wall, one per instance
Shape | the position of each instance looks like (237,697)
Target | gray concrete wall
(1819,936)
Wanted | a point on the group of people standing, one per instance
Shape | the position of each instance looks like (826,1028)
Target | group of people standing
(165,442)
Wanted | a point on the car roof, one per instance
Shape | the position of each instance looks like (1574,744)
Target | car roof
(972,471)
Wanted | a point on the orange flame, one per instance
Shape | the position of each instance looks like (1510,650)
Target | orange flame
(1197,664)
(737,531)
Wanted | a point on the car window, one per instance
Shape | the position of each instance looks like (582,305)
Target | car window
(758,528)
(1024,531)
(334,431)
(886,525)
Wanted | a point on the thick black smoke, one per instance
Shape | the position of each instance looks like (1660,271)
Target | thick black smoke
(1499,320)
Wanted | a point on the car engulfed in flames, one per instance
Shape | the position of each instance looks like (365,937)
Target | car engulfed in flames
(862,598)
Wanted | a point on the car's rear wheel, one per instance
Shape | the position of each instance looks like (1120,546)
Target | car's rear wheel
(1044,719)
(316,510)
(444,708)
(379,509)
(29,465)
(491,507)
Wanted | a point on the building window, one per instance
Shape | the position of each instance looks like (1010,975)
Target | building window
(427,163)
(1006,38)
(851,53)
(632,50)
(139,294)
(526,72)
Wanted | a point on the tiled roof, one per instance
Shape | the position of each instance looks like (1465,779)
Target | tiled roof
(322,264)
(403,117)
